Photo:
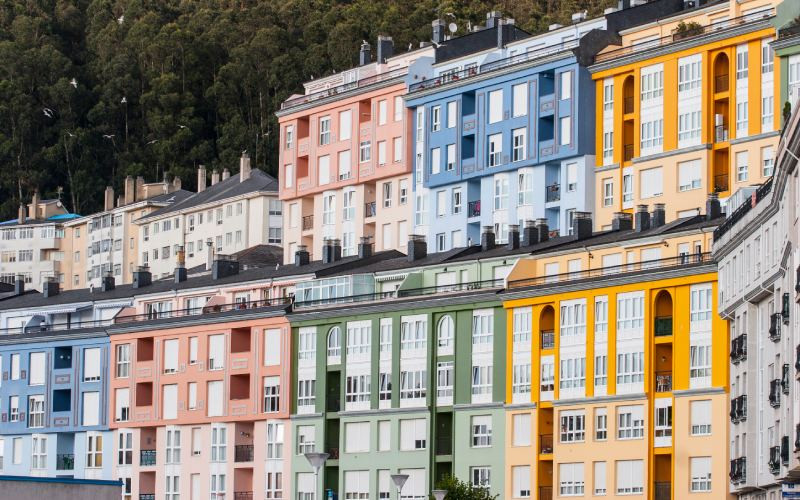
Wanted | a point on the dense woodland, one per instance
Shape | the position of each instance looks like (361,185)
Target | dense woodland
(94,90)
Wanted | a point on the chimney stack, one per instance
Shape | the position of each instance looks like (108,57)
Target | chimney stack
(50,288)
(176,183)
(19,285)
(493,19)
(21,218)
(385,48)
(108,203)
(365,247)
(301,257)
(142,277)
(130,190)
(244,167)
(659,215)
(713,208)
(513,237)
(225,174)
(224,266)
(501,32)
(331,250)
(417,247)
(107,283)
(35,204)
(582,225)
(641,218)
(139,194)
(530,235)
(438,30)
(180,265)
(487,238)
(201,178)
(209,255)
(623,221)
(543,229)
(214,177)
(364,54)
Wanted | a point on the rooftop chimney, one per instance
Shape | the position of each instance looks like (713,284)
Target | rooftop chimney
(582,225)
(225,174)
(623,221)
(364,54)
(35,204)
(201,178)
(530,236)
(19,285)
(713,208)
(542,229)
(301,257)
(493,19)
(21,213)
(130,190)
(224,266)
(176,183)
(50,288)
(180,265)
(139,193)
(209,255)
(641,218)
(365,247)
(244,167)
(513,237)
(417,247)
(501,34)
(385,48)
(142,277)
(438,30)
(487,238)
(331,250)
(214,177)
(108,199)
(107,283)
(659,215)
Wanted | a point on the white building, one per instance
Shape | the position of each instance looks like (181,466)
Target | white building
(232,214)
(759,290)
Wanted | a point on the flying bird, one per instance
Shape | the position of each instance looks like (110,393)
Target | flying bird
(108,136)
(124,100)
(121,19)
(70,134)
(244,152)
(181,126)
(48,112)
(74,83)
(153,141)
(410,45)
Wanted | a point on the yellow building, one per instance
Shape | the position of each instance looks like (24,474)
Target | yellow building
(687,106)
(617,366)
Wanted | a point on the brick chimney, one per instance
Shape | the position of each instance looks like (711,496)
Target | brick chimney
(244,167)
(108,203)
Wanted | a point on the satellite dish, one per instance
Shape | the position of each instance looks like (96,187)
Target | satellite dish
(452,27)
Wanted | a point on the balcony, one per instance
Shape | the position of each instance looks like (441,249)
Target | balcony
(721,83)
(546,443)
(721,183)
(775,327)
(242,495)
(739,349)
(370,209)
(553,192)
(444,445)
(308,222)
(785,379)
(474,208)
(774,459)
(738,472)
(739,409)
(785,451)
(243,453)
(147,496)
(627,152)
(628,104)
(334,403)
(548,339)
(147,457)
(65,461)
(775,393)
(545,493)
(333,453)
(663,381)
(663,491)
(663,326)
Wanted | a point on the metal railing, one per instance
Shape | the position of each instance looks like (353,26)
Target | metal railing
(775,327)
(147,457)
(663,491)
(774,393)
(370,209)
(738,472)
(307,222)
(721,133)
(350,299)
(677,35)
(545,493)
(65,461)
(628,104)
(627,152)
(721,183)
(663,381)
(721,83)
(547,339)
(546,443)
(243,453)
(492,66)
(739,349)
(739,409)
(663,326)
(474,208)
(774,459)
(785,379)
(147,496)
(456,287)
(369,80)
(553,192)
(242,495)
(644,266)
(738,214)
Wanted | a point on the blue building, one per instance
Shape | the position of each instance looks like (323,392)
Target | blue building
(503,130)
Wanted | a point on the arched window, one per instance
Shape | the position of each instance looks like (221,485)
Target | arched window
(334,342)
(445,332)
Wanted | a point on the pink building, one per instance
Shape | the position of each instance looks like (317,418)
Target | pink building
(345,166)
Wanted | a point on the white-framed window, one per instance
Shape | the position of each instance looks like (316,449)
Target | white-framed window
(364,151)
(689,125)
(700,303)
(436,118)
(572,374)
(521,429)
(457,202)
(572,177)
(385,338)
(495,150)
(652,83)
(124,447)
(444,381)
(518,144)
(324,130)
(381,153)
(413,384)
(700,361)
(627,187)
(345,125)
(306,393)
(481,380)
(689,175)
(272,394)
(565,130)
(767,161)
(570,479)
(741,117)
(630,477)
(573,319)
(356,437)
(521,481)
(123,360)
(701,417)
(413,434)
(38,451)
(172,488)
(701,474)
(307,344)
(599,478)
(216,352)
(357,389)
(522,325)
(742,62)
(630,422)
(481,426)
(90,408)
(275,440)
(565,85)
(452,114)
(767,113)
(525,187)
(495,106)
(334,345)
(344,164)
(306,439)
(652,182)
(630,367)
(94,450)
(445,334)
(608,192)
(608,94)
(436,161)
(519,97)
(36,368)
(122,402)
(600,424)
(573,426)
(289,137)
(689,73)
(652,134)
(451,158)
(218,488)
(500,192)
(173,447)
(608,146)
(481,477)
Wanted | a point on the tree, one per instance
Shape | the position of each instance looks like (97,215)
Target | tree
(461,490)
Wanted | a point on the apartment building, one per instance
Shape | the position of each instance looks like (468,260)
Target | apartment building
(687,106)
(233,213)
(31,245)
(344,158)
(759,266)
(502,123)
(616,372)
(787,49)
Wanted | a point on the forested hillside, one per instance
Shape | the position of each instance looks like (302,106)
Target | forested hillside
(94,90)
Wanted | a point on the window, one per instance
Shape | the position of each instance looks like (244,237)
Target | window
(413,434)
(215,401)
(91,408)
(481,381)
(385,339)
(123,358)
(445,335)
(652,135)
(651,182)
(38,451)
(171,356)
(364,151)
(608,95)
(272,394)
(307,344)
(16,450)
(306,394)
(700,414)
(573,426)
(219,442)
(600,424)
(767,113)
(381,153)
(122,401)
(387,194)
(324,168)
(767,161)
(480,477)
(520,99)
(521,481)
(451,158)
(518,150)
(741,117)
(173,448)
(289,137)
(436,160)
(172,489)
(94,450)
(565,130)
(521,432)
(217,489)
(565,85)
(324,130)
(36,374)
(495,106)
(274,440)
(397,148)
(356,437)
(608,146)
(630,477)
(501,192)
(482,327)
(444,382)
(630,422)
(700,363)
(413,385)
(306,439)
(272,347)
(652,83)
(701,473)
(398,108)
(689,128)
(570,479)
(457,202)
(742,62)
(125,448)
(495,149)
(383,111)
(357,389)
(13,408)
(689,175)
(412,333)
(436,118)
(481,431)
(599,478)
(572,177)
(700,303)
(192,387)
(689,73)
(608,192)
(403,191)
(627,188)
(573,375)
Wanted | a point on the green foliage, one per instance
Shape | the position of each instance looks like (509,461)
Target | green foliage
(461,490)
(94,90)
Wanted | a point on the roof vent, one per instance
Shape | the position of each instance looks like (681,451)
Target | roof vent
(142,277)
(417,247)
(301,257)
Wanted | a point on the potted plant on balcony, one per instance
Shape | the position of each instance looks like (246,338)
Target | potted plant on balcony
(686,30)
